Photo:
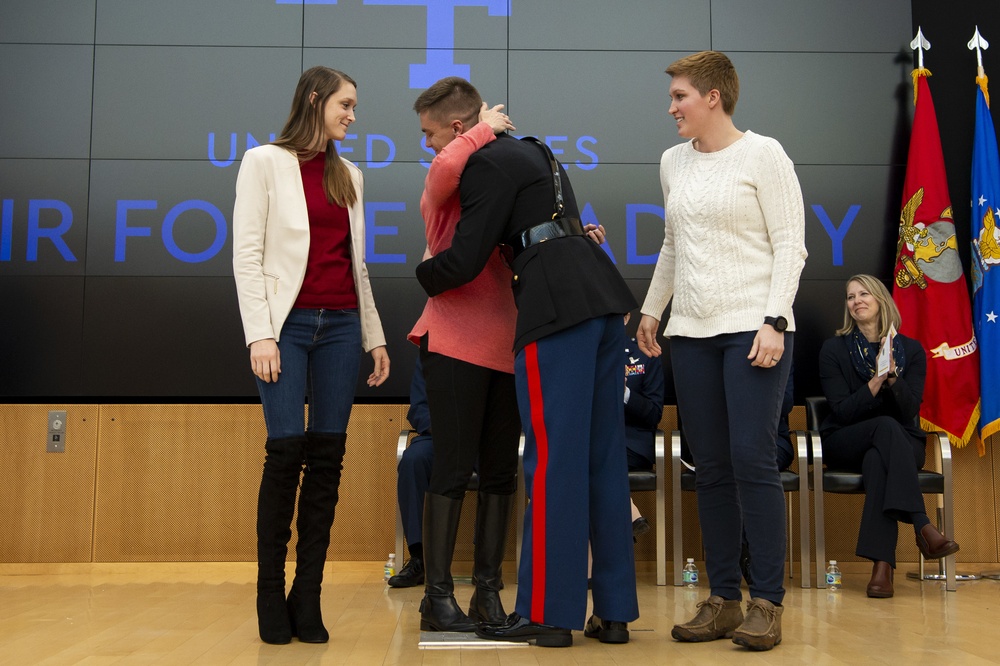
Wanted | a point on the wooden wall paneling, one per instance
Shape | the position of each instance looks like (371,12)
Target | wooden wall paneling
(974,500)
(365,526)
(178,482)
(47,498)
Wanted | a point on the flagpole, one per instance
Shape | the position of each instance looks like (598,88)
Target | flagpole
(978,44)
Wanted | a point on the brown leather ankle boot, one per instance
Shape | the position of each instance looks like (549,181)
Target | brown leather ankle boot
(880,586)
(933,545)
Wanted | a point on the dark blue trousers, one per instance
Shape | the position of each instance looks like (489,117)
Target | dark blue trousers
(412,481)
(569,391)
(889,459)
(729,412)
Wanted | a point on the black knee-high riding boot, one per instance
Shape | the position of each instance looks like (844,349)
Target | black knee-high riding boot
(324,456)
(275,506)
(492,518)
(439,611)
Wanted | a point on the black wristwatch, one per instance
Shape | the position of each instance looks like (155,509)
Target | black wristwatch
(780,324)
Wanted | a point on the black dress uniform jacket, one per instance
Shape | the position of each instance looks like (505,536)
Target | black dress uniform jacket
(506,188)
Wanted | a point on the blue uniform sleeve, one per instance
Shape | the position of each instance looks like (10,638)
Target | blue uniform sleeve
(644,408)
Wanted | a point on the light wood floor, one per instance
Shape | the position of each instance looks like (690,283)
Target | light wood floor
(203,613)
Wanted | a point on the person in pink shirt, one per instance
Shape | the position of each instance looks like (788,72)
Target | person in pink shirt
(466,338)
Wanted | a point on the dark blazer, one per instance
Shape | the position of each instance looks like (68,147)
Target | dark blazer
(644,377)
(506,188)
(851,401)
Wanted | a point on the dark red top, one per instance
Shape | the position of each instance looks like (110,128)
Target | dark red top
(329,281)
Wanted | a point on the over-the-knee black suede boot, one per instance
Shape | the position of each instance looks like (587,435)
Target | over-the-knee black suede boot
(439,611)
(324,457)
(275,506)
(492,518)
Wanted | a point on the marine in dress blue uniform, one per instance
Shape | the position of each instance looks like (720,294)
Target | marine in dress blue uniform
(568,341)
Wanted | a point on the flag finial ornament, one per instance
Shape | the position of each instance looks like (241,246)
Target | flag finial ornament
(919,44)
(979,44)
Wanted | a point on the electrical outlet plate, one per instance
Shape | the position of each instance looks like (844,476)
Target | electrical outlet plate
(56,443)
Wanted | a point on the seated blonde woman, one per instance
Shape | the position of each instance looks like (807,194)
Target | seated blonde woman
(873,427)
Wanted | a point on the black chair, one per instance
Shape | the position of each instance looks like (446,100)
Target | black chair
(848,482)
(684,479)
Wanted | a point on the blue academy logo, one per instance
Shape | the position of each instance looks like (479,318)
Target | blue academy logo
(440,50)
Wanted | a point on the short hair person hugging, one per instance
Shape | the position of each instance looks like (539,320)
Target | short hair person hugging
(451,98)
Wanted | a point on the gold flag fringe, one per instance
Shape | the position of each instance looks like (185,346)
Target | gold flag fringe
(989,430)
(983,81)
(969,436)
(917,73)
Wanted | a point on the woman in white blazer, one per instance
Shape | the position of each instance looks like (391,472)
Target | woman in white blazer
(307,310)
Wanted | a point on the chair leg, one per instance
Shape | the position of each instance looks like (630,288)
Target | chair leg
(947,522)
(675,455)
(404,438)
(788,539)
(818,511)
(520,506)
(661,511)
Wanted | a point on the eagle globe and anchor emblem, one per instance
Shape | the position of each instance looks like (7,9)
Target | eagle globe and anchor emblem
(931,252)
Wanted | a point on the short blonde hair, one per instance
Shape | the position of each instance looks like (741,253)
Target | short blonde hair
(710,70)
(888,313)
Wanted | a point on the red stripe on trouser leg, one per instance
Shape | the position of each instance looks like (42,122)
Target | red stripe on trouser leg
(538,484)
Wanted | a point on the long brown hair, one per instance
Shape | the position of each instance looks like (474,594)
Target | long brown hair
(306,119)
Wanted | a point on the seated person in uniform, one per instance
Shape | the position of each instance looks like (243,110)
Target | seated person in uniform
(644,389)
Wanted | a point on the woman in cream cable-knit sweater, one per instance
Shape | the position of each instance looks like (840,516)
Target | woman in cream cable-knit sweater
(732,253)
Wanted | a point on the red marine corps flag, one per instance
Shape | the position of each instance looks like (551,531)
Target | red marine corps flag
(929,287)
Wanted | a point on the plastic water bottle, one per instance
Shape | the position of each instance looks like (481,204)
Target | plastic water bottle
(690,573)
(833,577)
(390,566)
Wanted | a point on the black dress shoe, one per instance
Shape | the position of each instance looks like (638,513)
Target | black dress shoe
(606,631)
(521,630)
(411,575)
(639,527)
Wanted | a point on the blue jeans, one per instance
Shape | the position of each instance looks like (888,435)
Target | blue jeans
(729,413)
(320,355)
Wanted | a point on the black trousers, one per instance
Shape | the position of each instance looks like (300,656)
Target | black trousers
(473,417)
(888,458)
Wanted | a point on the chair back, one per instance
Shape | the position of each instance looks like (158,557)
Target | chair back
(817,409)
